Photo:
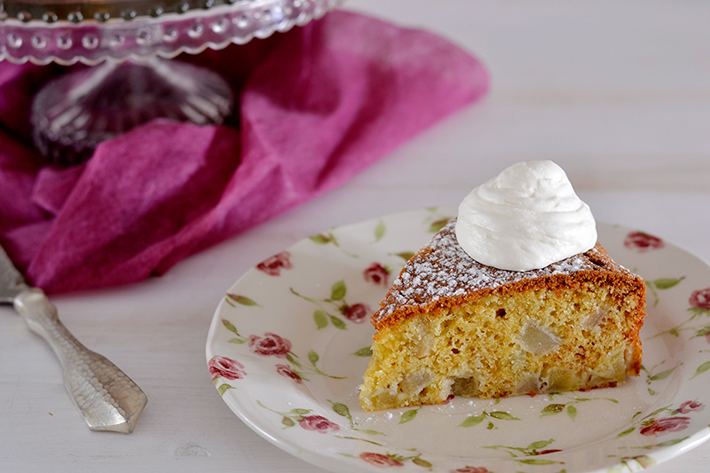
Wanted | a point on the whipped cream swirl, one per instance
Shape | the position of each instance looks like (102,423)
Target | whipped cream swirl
(526,218)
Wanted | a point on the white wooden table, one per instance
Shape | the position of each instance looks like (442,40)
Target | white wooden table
(618,94)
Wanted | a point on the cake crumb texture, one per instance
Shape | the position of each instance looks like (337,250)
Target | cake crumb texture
(571,326)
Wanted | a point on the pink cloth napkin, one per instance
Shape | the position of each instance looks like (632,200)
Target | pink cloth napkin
(317,105)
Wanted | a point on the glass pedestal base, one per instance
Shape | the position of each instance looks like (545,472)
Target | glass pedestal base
(73,114)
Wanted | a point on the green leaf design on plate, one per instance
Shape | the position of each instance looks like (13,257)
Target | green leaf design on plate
(224,387)
(657,411)
(552,409)
(662,374)
(341,409)
(571,411)
(338,323)
(421,462)
(380,230)
(502,415)
(470,421)
(405,255)
(320,239)
(364,351)
(300,411)
(698,311)
(626,432)
(350,437)
(667,283)
(703,331)
(320,318)
(237,341)
(313,357)
(702,369)
(539,444)
(369,431)
(338,291)
(287,421)
(408,416)
(437,225)
(490,426)
(536,461)
(242,300)
(230,326)
(292,358)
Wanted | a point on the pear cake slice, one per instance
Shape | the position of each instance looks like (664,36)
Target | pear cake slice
(452,326)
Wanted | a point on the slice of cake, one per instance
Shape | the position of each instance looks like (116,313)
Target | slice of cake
(450,325)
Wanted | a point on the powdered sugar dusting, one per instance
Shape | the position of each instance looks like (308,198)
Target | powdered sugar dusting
(444,269)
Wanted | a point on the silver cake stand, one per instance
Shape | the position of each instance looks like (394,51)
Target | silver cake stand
(130,43)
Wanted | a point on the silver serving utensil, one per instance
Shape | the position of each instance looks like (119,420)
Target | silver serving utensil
(106,397)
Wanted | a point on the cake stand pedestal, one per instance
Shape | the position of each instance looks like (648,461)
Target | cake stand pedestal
(130,43)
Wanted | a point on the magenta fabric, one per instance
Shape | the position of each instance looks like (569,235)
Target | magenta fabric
(316,106)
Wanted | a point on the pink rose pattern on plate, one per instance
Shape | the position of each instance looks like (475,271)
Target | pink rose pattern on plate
(376,274)
(641,241)
(389,460)
(226,368)
(286,371)
(689,406)
(652,426)
(337,302)
(380,460)
(318,424)
(355,313)
(700,299)
(471,469)
(304,419)
(274,264)
(270,345)
(667,424)
(699,302)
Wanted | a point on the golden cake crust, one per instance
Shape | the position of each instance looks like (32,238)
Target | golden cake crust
(442,275)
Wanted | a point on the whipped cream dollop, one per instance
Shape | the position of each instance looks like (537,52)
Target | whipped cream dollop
(526,218)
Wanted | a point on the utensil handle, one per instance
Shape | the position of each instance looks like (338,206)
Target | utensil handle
(107,398)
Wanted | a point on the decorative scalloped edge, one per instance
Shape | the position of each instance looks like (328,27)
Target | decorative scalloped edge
(20,12)
(307,11)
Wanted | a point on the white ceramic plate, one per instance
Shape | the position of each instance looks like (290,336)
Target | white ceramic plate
(289,343)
